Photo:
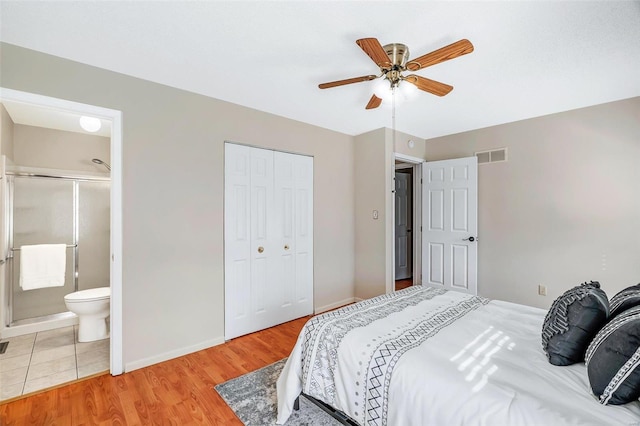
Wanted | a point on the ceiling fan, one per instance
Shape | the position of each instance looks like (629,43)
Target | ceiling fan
(393,60)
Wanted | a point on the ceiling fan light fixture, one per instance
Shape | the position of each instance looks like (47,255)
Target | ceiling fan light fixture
(382,89)
(407,90)
(404,90)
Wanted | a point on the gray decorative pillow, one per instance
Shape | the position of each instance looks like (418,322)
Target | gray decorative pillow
(627,298)
(572,321)
(613,359)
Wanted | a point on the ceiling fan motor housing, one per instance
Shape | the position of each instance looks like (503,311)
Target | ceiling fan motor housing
(398,54)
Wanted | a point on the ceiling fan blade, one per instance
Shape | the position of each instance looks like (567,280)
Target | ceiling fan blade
(374,102)
(452,51)
(431,86)
(347,81)
(374,49)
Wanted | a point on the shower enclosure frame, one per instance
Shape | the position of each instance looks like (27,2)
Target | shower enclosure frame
(115,117)
(9,321)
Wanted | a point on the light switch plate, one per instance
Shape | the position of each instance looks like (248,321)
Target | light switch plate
(375,214)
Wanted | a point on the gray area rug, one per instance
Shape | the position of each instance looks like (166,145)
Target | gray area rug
(253,398)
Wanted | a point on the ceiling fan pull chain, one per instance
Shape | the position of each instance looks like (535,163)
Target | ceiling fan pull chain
(393,115)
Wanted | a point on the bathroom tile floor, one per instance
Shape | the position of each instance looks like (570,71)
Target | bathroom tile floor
(41,360)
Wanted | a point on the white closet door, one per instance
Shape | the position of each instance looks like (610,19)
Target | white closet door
(237,237)
(303,235)
(268,238)
(294,235)
(263,248)
(285,221)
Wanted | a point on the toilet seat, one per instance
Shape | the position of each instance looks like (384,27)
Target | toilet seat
(91,294)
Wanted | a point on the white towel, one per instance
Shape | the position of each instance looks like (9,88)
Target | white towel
(42,265)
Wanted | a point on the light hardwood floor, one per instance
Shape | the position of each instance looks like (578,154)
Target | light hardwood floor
(175,392)
(402,284)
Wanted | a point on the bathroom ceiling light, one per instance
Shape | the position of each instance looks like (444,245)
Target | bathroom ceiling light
(90,124)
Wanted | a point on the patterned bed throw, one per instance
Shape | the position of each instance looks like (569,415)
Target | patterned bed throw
(389,325)
(424,356)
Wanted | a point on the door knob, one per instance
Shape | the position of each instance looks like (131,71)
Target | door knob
(260,249)
(286,246)
(470,239)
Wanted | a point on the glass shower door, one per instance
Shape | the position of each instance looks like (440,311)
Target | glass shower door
(42,213)
(94,234)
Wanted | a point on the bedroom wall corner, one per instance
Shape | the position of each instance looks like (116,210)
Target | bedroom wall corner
(563,209)
(418,150)
(370,195)
(374,184)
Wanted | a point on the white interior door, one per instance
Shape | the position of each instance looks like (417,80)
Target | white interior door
(403,231)
(268,238)
(450,224)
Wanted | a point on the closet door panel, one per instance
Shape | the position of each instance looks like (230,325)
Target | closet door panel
(303,183)
(285,235)
(237,248)
(263,254)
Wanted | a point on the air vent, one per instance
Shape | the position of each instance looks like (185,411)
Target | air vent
(492,156)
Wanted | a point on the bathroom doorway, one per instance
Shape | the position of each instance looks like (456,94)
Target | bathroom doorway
(84,189)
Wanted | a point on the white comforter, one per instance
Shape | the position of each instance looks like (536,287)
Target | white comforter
(427,357)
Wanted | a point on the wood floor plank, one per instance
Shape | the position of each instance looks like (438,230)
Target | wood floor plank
(176,392)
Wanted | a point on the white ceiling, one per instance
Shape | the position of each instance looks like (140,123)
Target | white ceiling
(530,59)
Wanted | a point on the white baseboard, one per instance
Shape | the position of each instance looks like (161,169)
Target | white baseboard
(347,301)
(358,299)
(145,362)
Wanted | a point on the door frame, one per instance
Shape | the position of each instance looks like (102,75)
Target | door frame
(404,166)
(415,163)
(115,116)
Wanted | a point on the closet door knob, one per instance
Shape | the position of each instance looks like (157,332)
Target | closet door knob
(260,249)
(286,246)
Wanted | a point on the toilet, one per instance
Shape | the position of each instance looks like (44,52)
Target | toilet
(92,308)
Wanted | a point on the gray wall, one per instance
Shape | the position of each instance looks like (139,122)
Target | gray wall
(564,208)
(374,172)
(370,181)
(6,133)
(173,197)
(57,149)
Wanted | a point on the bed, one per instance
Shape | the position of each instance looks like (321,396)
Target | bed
(425,356)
